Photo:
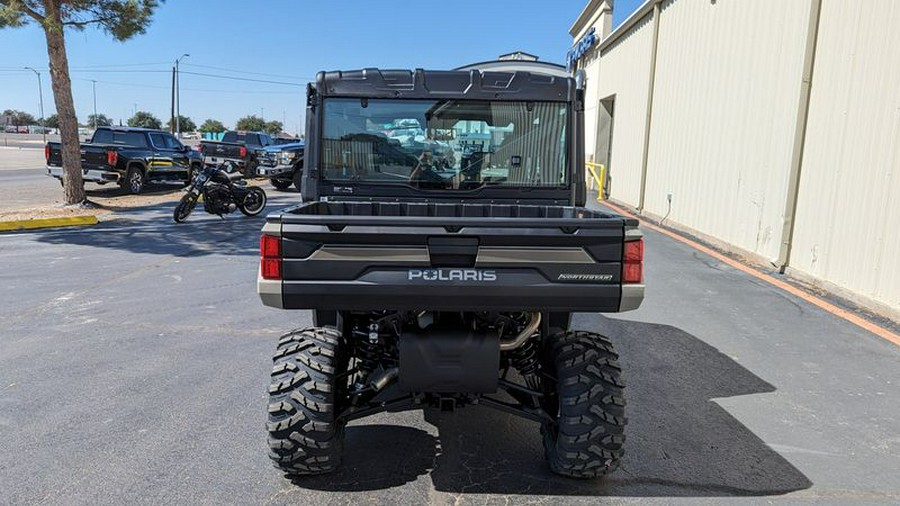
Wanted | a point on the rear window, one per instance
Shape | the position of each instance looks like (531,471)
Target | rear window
(133,139)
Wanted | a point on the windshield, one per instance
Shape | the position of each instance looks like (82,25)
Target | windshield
(445,144)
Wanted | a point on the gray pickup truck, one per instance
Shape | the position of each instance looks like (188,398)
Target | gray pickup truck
(444,271)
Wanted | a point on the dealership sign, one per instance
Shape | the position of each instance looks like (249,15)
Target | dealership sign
(578,50)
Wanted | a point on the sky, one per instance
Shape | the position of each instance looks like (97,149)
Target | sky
(283,42)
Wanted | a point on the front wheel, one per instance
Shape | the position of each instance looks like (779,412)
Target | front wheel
(298,179)
(281,184)
(185,207)
(588,404)
(254,202)
(305,436)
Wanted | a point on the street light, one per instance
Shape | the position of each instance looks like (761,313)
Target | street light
(178,96)
(94,90)
(41,95)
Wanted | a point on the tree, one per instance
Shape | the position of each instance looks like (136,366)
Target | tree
(51,121)
(101,120)
(252,123)
(273,127)
(122,19)
(212,125)
(186,124)
(20,118)
(144,119)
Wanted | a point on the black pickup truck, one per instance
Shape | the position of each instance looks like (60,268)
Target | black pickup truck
(130,157)
(445,277)
(237,151)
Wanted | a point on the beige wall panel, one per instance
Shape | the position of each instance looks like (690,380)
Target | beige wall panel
(848,216)
(724,112)
(625,72)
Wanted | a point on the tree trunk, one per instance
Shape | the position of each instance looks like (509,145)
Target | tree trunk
(65,107)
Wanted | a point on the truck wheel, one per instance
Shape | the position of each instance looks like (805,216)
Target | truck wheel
(134,180)
(298,179)
(588,403)
(304,435)
(281,184)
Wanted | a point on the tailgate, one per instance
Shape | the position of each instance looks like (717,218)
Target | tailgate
(452,257)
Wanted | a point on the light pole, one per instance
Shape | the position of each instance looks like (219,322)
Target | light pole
(94,88)
(41,95)
(178,96)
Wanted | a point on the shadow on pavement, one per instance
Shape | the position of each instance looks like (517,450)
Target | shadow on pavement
(378,457)
(155,232)
(680,442)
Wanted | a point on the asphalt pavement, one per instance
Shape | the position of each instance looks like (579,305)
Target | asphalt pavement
(135,357)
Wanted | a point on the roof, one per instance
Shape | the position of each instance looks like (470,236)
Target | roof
(518,55)
(535,67)
(128,129)
(471,83)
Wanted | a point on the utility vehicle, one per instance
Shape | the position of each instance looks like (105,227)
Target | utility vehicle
(443,268)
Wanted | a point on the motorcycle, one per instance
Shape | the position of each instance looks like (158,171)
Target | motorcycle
(221,195)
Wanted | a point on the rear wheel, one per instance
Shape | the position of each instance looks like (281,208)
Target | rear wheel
(588,402)
(254,202)
(134,180)
(185,207)
(304,434)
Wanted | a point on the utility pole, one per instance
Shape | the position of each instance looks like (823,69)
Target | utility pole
(172,117)
(94,89)
(41,95)
(178,97)
(262,113)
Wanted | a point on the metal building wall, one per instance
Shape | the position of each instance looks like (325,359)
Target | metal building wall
(847,230)
(625,73)
(724,113)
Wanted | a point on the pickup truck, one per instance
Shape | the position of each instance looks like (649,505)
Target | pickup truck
(131,157)
(442,279)
(283,164)
(237,151)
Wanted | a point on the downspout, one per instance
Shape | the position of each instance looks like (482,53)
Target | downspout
(646,149)
(793,190)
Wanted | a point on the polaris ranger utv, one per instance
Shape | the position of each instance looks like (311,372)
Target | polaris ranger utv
(443,264)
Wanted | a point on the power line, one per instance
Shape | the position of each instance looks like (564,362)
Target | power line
(241,78)
(299,78)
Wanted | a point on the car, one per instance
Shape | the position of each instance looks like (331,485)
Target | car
(437,281)
(131,157)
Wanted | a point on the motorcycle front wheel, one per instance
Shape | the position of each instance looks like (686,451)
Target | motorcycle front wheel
(184,207)
(254,202)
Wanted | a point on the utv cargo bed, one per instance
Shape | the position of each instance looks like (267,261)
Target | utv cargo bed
(364,256)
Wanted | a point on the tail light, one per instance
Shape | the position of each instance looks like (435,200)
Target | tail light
(633,262)
(47,152)
(243,152)
(200,147)
(112,157)
(270,256)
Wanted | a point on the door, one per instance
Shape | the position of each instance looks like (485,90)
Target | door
(169,154)
(603,142)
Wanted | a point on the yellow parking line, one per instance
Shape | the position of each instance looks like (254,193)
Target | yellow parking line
(793,290)
(67,221)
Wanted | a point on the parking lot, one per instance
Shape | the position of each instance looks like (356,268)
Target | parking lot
(135,357)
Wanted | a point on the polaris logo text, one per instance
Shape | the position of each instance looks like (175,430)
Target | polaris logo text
(451,275)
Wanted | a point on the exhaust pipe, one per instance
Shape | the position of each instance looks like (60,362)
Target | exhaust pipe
(523,336)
